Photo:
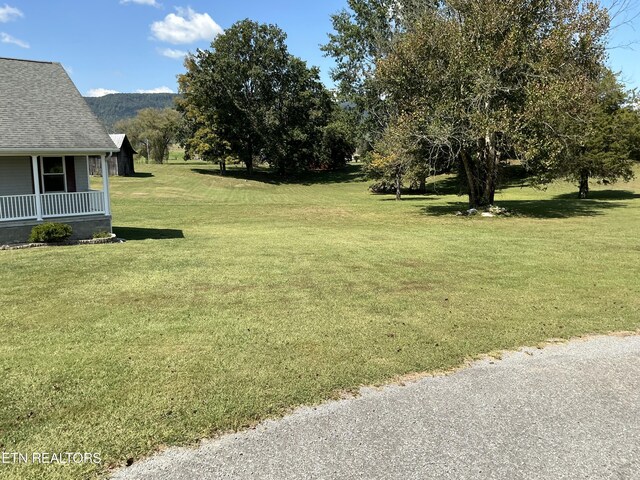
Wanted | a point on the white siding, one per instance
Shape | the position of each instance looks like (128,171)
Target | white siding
(82,174)
(15,176)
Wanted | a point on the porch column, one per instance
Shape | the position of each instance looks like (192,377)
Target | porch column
(105,185)
(36,186)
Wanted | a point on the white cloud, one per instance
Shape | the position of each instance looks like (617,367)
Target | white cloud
(172,53)
(100,92)
(8,13)
(6,38)
(152,3)
(185,26)
(156,90)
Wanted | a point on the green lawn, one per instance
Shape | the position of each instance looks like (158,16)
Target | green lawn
(235,300)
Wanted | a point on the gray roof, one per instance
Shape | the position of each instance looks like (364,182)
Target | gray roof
(42,110)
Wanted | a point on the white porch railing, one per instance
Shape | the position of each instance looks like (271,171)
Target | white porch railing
(18,207)
(23,207)
(72,204)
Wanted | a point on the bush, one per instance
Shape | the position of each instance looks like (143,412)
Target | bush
(382,187)
(50,233)
(101,234)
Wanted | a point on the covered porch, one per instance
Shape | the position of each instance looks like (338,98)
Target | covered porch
(45,187)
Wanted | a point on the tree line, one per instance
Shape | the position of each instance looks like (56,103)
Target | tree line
(468,85)
(423,87)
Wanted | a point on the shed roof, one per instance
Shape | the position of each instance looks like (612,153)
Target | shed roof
(119,140)
(41,110)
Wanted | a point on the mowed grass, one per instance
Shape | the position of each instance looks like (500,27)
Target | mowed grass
(235,300)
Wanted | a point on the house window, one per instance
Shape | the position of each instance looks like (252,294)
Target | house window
(53,174)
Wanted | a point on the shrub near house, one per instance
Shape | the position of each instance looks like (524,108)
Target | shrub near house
(50,233)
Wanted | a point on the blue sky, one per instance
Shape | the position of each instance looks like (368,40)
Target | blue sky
(137,45)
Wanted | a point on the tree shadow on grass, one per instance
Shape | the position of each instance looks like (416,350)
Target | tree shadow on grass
(133,233)
(448,185)
(603,195)
(512,176)
(140,175)
(351,173)
(409,198)
(443,186)
(550,208)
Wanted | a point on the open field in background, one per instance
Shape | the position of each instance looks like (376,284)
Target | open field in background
(236,299)
(176,154)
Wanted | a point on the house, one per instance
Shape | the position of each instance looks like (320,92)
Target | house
(120,164)
(47,133)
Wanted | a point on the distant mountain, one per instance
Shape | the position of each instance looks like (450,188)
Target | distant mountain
(118,106)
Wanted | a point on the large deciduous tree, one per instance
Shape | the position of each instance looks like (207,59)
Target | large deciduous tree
(152,132)
(248,98)
(473,79)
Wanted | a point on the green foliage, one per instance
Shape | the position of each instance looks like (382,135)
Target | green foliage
(605,147)
(101,234)
(113,108)
(50,233)
(472,81)
(338,142)
(248,98)
(629,119)
(151,132)
(391,160)
(363,35)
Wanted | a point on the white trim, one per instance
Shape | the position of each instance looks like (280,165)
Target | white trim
(20,207)
(47,152)
(36,186)
(53,205)
(64,173)
(105,183)
(73,204)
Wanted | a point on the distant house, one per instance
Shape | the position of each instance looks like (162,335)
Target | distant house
(47,133)
(120,164)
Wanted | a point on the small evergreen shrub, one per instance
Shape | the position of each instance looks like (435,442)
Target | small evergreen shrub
(50,233)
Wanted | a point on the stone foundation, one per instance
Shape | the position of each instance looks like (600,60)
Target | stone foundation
(83,227)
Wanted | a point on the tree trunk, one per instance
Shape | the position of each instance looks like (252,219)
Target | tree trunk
(584,185)
(398,186)
(223,167)
(423,185)
(481,173)
(491,161)
(249,160)
(469,174)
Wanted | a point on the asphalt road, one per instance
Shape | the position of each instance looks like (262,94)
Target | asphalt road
(569,411)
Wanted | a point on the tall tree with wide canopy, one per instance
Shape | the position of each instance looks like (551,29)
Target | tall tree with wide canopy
(249,98)
(476,78)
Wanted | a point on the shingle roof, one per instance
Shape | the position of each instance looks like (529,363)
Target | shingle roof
(41,109)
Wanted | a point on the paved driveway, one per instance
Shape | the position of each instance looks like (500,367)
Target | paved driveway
(568,411)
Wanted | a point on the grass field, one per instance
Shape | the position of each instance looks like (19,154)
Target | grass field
(235,299)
